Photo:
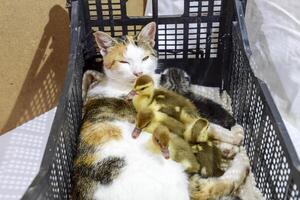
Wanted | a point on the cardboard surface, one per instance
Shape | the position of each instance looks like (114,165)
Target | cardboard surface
(34,46)
(34,42)
(135,7)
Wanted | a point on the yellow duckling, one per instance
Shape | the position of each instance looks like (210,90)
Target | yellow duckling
(148,120)
(210,158)
(197,129)
(170,109)
(203,156)
(174,147)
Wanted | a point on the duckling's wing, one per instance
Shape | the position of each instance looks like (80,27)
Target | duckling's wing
(173,124)
(171,111)
(170,99)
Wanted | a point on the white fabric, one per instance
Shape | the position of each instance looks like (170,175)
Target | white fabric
(166,7)
(22,150)
(274,34)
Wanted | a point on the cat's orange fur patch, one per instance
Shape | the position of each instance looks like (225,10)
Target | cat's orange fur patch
(115,53)
(96,134)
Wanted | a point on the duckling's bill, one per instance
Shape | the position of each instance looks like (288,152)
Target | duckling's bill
(130,95)
(165,152)
(136,132)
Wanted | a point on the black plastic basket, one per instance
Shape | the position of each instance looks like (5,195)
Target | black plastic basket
(211,44)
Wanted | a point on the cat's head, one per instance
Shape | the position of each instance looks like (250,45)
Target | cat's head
(126,58)
(175,79)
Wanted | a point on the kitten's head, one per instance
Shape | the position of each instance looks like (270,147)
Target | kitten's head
(175,79)
(126,58)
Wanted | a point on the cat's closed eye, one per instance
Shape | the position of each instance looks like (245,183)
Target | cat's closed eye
(145,58)
(123,61)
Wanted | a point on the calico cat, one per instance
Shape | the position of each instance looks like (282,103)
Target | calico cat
(178,80)
(110,165)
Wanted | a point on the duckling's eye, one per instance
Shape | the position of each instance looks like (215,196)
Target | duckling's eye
(157,141)
(145,58)
(143,88)
(123,61)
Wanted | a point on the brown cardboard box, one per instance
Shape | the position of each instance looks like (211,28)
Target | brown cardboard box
(34,41)
(136,7)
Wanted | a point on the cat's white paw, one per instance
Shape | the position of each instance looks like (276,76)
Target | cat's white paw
(238,132)
(237,129)
(238,139)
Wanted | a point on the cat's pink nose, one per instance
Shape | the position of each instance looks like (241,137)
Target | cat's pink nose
(137,74)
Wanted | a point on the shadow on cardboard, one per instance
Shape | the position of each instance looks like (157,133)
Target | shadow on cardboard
(44,81)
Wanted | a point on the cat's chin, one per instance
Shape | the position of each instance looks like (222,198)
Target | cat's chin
(122,83)
(125,81)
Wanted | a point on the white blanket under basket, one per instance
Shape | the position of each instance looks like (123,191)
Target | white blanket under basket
(22,150)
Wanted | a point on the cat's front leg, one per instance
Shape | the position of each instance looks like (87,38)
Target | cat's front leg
(217,132)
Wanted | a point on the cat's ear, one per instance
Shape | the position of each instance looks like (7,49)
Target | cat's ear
(104,41)
(148,33)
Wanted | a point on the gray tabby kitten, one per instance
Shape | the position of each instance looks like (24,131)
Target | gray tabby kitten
(178,80)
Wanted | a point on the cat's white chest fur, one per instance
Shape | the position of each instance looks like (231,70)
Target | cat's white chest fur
(146,175)
(109,89)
